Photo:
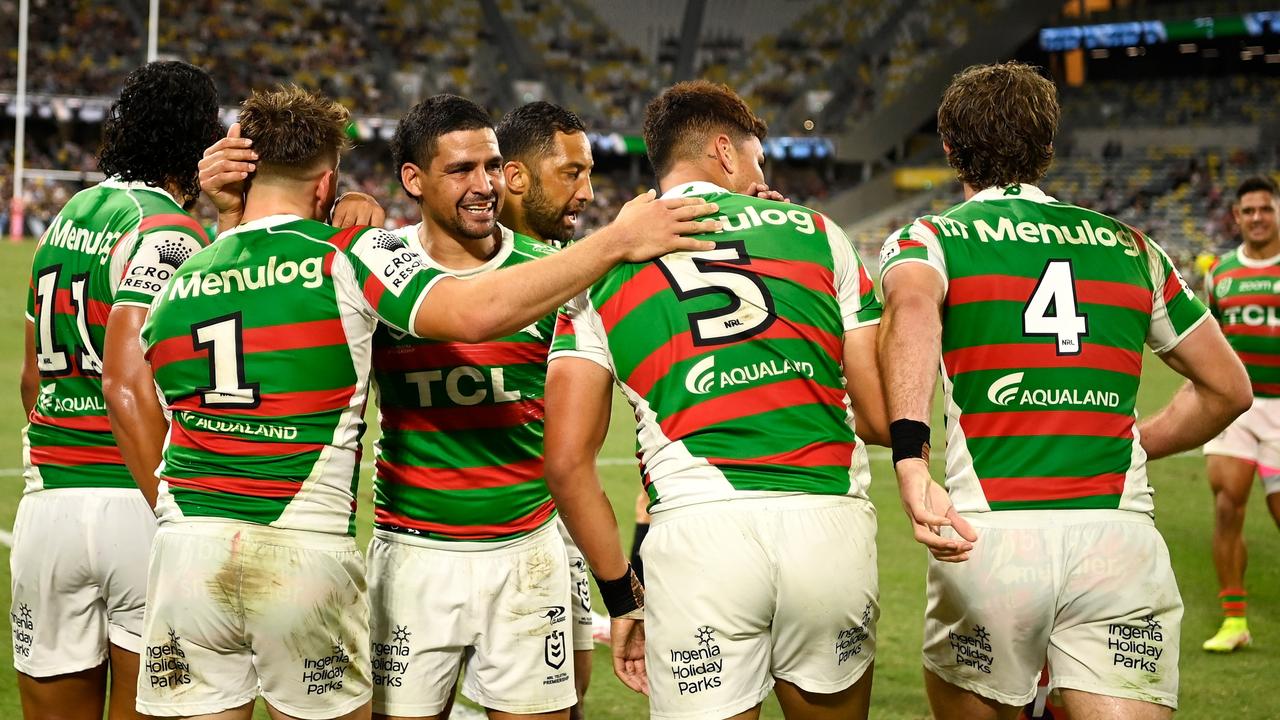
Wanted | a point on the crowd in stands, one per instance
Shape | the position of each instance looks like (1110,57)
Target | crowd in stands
(1173,102)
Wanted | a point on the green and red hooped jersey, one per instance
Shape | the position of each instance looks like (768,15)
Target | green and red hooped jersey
(1244,296)
(460,456)
(262,349)
(1047,309)
(113,244)
(732,358)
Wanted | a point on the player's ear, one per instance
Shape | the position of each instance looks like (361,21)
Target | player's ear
(726,154)
(412,177)
(517,176)
(326,194)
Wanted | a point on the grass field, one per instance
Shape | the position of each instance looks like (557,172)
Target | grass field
(1236,686)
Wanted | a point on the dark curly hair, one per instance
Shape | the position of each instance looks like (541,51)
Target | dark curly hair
(529,130)
(678,123)
(999,122)
(416,135)
(1255,184)
(158,129)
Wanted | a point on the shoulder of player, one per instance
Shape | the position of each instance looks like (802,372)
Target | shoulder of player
(526,249)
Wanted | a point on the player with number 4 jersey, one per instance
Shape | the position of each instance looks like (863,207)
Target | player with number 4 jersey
(83,529)
(1037,312)
(737,362)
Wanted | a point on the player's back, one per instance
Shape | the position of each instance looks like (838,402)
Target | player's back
(113,244)
(261,348)
(732,357)
(1047,309)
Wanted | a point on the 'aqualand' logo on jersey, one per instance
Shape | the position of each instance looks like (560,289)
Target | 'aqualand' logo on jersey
(702,378)
(1007,390)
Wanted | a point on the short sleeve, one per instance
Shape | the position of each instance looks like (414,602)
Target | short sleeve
(1175,309)
(159,247)
(1210,287)
(580,333)
(391,278)
(914,243)
(855,291)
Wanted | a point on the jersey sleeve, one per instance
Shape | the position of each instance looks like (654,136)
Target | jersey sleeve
(391,278)
(916,242)
(580,333)
(1210,285)
(859,305)
(1175,309)
(148,257)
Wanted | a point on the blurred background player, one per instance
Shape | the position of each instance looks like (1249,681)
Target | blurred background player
(732,361)
(1053,487)
(547,168)
(1243,288)
(83,529)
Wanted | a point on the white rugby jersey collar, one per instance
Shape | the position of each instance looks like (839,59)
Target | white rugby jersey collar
(115,183)
(697,187)
(1025,191)
(260,224)
(506,243)
(1249,262)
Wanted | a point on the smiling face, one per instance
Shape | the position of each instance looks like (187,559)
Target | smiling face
(560,187)
(463,187)
(1256,215)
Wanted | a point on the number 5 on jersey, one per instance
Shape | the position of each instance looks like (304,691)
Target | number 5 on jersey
(223,338)
(1056,293)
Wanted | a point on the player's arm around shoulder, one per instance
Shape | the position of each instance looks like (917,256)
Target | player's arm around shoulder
(499,303)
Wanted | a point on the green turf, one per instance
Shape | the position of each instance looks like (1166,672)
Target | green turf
(1236,686)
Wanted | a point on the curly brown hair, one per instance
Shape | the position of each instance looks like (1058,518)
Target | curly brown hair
(999,122)
(678,122)
(294,131)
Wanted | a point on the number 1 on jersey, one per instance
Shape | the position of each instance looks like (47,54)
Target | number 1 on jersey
(223,337)
(1056,293)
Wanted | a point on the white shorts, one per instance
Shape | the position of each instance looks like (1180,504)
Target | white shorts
(79,577)
(502,610)
(1090,590)
(235,610)
(1254,437)
(740,592)
(580,587)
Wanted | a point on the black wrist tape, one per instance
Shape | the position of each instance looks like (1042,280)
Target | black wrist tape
(910,439)
(623,595)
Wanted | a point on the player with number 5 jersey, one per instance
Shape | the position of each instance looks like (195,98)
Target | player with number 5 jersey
(739,363)
(1037,312)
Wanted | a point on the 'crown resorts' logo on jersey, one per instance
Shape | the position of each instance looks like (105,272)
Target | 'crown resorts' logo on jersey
(702,378)
(1007,391)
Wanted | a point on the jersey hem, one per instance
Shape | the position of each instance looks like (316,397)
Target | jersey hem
(262,534)
(862,324)
(789,501)
(131,303)
(1052,518)
(497,546)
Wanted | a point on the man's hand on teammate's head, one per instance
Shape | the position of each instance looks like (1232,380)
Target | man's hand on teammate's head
(357,208)
(928,507)
(223,169)
(626,638)
(650,227)
(764,192)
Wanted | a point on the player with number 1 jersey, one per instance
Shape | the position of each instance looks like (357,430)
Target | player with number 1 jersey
(83,529)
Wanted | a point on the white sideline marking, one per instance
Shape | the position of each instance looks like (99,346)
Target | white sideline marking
(6,538)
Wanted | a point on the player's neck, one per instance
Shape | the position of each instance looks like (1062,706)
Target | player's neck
(685,173)
(267,200)
(458,253)
(513,217)
(969,191)
(1261,251)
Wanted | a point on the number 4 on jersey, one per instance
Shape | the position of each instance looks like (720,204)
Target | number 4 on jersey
(1051,311)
